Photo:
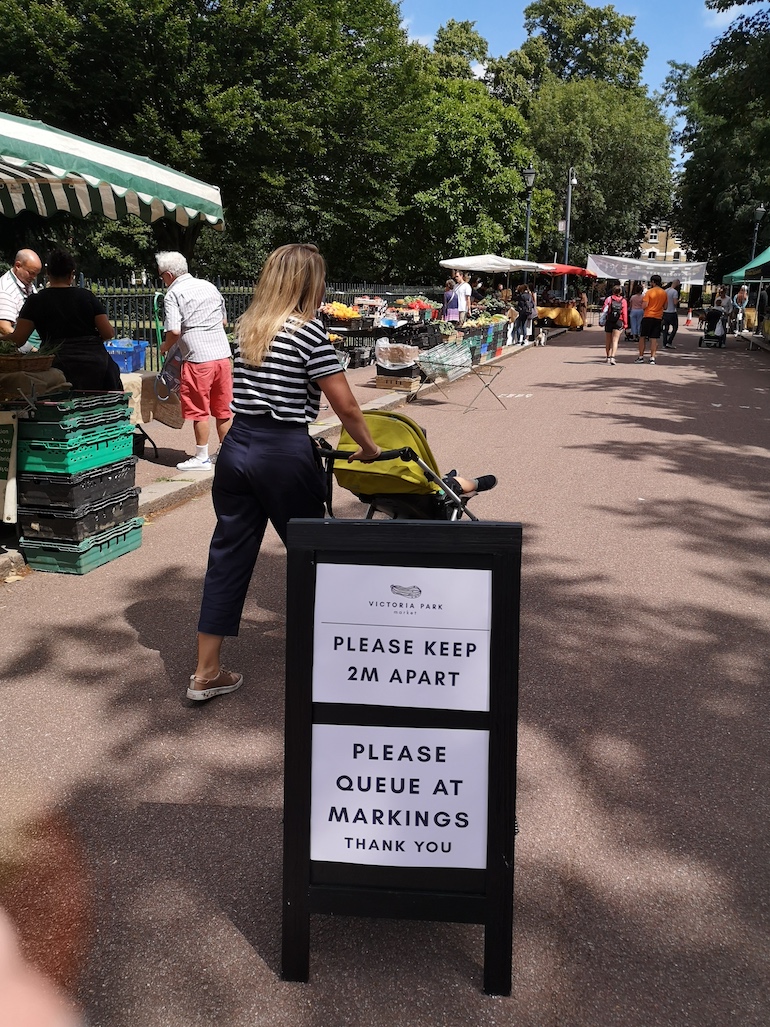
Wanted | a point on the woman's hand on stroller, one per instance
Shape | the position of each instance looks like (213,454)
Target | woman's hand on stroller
(365,456)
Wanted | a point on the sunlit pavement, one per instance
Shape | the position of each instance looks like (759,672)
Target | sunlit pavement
(141,838)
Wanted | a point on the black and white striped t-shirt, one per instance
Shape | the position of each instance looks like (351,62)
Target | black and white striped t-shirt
(284,385)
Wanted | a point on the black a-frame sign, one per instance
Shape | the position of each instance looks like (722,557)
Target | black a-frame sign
(401,713)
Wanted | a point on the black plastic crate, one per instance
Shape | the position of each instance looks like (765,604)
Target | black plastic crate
(49,522)
(70,491)
(410,371)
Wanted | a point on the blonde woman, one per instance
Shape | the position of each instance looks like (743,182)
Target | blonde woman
(266,468)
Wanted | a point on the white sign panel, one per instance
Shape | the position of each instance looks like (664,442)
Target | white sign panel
(402,636)
(395,796)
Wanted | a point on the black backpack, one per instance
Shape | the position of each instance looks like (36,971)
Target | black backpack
(614,311)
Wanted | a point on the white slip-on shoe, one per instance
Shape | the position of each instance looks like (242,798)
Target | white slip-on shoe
(195,464)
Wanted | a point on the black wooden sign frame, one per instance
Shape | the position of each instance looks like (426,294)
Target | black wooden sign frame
(457,895)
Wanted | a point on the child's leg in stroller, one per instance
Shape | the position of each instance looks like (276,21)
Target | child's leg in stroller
(468,486)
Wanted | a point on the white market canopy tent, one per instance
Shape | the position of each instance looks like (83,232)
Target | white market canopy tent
(627,269)
(489,263)
(45,171)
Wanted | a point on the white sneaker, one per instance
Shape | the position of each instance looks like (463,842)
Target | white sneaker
(195,464)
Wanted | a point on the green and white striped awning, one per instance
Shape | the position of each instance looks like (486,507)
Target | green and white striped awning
(45,171)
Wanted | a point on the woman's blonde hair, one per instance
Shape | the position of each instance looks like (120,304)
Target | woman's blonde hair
(291,286)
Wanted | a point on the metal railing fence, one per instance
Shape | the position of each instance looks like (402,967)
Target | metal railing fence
(129,303)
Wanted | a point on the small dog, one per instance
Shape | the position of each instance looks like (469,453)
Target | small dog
(541,337)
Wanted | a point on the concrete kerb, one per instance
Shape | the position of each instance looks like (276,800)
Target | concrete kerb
(171,492)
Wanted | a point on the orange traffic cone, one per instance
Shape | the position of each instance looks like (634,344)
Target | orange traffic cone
(689,318)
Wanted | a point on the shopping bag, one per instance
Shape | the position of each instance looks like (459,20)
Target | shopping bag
(169,379)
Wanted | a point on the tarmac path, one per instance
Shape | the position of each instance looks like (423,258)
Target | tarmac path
(140,838)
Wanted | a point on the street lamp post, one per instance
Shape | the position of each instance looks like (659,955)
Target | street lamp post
(529,182)
(759,213)
(571,180)
(667,227)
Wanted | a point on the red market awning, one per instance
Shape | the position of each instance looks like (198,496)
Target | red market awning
(566,269)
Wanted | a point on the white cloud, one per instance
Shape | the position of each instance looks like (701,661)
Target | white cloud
(406,25)
(718,19)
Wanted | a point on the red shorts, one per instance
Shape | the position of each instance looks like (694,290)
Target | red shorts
(206,390)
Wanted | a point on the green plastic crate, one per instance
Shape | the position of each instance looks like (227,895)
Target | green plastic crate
(92,447)
(66,404)
(62,557)
(72,424)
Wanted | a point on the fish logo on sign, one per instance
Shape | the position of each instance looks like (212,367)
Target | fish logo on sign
(407,591)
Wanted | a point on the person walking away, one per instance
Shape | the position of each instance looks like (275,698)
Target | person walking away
(449,310)
(73,325)
(267,468)
(741,301)
(653,305)
(670,321)
(615,312)
(522,306)
(759,327)
(195,318)
(16,285)
(463,291)
(636,310)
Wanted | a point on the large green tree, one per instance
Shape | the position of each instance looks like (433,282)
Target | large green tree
(725,105)
(586,42)
(618,143)
(306,115)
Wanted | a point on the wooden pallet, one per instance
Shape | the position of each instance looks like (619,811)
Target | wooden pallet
(397,384)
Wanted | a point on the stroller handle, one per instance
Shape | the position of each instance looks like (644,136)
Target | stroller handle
(406,454)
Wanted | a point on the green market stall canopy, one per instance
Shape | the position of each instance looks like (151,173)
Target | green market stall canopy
(45,171)
(756,269)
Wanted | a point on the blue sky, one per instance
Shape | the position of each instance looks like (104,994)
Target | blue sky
(674,30)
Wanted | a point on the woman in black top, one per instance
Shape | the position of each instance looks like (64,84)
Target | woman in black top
(73,324)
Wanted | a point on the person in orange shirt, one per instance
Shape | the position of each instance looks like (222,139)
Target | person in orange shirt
(653,305)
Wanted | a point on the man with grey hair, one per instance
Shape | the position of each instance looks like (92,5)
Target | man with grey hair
(195,318)
(15,286)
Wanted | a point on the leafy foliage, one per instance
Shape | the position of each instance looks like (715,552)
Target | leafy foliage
(587,42)
(618,143)
(323,122)
(725,104)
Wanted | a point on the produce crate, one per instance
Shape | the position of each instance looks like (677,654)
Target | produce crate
(352,323)
(81,557)
(72,425)
(83,450)
(450,361)
(409,371)
(59,406)
(70,491)
(128,354)
(46,522)
(397,384)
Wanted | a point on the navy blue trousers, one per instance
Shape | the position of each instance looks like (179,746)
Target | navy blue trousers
(266,470)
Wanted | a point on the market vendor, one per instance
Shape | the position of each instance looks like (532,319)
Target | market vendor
(15,286)
(73,325)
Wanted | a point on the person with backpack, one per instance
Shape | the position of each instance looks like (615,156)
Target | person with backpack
(526,311)
(615,315)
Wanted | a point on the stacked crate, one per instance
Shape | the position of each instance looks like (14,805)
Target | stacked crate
(77,501)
